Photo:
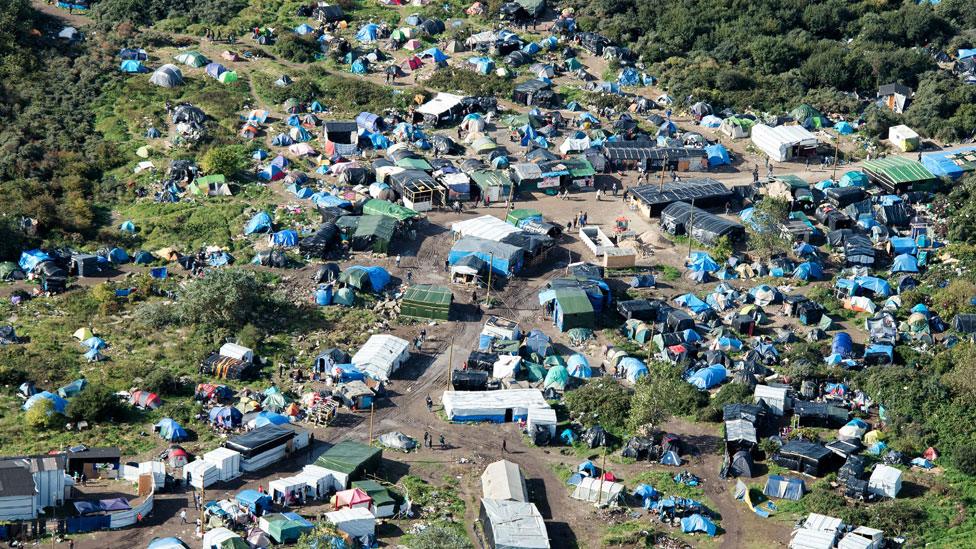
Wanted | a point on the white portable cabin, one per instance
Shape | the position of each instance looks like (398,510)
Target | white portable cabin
(18,494)
(494,406)
(279,488)
(214,539)
(200,473)
(804,538)
(357,521)
(227,462)
(542,417)
(501,328)
(381,355)
(782,143)
(777,398)
(155,468)
(238,352)
(903,137)
(598,491)
(503,480)
(319,480)
(513,524)
(885,481)
(862,538)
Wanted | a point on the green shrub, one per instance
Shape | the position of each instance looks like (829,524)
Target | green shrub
(41,416)
(471,83)
(296,48)
(604,401)
(228,160)
(95,403)
(964,459)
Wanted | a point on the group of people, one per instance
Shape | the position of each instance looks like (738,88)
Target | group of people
(429,441)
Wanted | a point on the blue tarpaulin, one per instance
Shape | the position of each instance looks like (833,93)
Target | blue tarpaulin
(904,264)
(367,33)
(709,377)
(842,345)
(718,155)
(378,277)
(260,223)
(692,302)
(286,238)
(31,259)
(698,523)
(59,403)
(579,366)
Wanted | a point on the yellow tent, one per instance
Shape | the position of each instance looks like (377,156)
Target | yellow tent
(142,152)
(169,254)
(82,334)
(873,436)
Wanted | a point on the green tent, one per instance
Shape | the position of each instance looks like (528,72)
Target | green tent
(557,377)
(521,214)
(235,542)
(374,232)
(552,361)
(376,206)
(414,164)
(573,308)
(381,496)
(809,117)
(344,297)
(351,458)
(228,77)
(573,64)
(284,530)
(274,402)
(794,181)
(192,59)
(533,372)
(427,301)
(484,145)
(7,269)
(485,179)
(215,179)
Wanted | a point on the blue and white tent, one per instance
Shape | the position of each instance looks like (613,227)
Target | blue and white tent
(718,155)
(698,523)
(171,431)
(904,263)
(368,33)
(59,403)
(808,271)
(304,29)
(579,367)
(285,239)
(260,223)
(710,121)
(632,368)
(692,302)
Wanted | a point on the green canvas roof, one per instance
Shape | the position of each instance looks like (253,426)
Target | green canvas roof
(744,123)
(284,530)
(533,371)
(381,495)
(793,181)
(805,112)
(897,170)
(490,178)
(579,167)
(573,64)
(519,214)
(380,226)
(573,301)
(389,209)
(217,178)
(414,164)
(350,457)
(484,144)
(427,301)
(557,377)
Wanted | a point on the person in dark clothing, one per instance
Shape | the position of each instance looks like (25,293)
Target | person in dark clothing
(504,445)
(443,442)
(430,404)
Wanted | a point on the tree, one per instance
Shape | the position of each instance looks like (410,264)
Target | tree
(225,298)
(94,403)
(296,48)
(964,458)
(438,536)
(605,402)
(41,415)
(663,393)
(228,160)
(768,217)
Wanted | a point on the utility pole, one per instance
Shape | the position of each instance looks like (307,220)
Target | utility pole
(203,500)
(664,166)
(450,362)
(691,222)
(836,154)
(491,263)
(603,472)
(372,407)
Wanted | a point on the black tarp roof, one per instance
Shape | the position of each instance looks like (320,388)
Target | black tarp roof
(705,227)
(260,440)
(704,191)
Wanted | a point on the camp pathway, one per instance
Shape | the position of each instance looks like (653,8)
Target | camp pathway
(76,20)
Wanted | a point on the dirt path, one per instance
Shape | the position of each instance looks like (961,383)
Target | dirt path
(77,20)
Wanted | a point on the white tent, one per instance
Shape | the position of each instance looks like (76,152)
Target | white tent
(318,479)
(542,417)
(779,143)
(506,366)
(486,226)
(494,406)
(862,538)
(570,145)
(214,539)
(513,525)
(382,355)
(774,397)
(236,351)
(596,490)
(503,480)
(356,522)
(280,488)
(200,473)
(227,462)
(885,481)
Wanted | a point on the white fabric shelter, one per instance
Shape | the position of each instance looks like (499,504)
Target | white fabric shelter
(514,525)
(495,406)
(382,355)
(213,539)
(356,522)
(778,142)
(486,226)
(506,366)
(227,462)
(595,490)
(440,104)
(542,417)
(239,352)
(503,480)
(885,481)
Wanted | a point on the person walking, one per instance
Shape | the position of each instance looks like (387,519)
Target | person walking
(409,277)
(183,517)
(447,265)
(398,261)
(430,404)
(616,186)
(505,445)
(426,439)
(443,442)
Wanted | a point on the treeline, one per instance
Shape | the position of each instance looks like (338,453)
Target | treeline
(771,55)
(147,12)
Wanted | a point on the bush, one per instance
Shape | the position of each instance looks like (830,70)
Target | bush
(471,83)
(296,48)
(41,416)
(156,314)
(661,394)
(162,382)
(228,160)
(605,402)
(226,298)
(964,459)
(438,536)
(95,403)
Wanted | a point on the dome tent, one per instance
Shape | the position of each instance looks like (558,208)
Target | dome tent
(167,76)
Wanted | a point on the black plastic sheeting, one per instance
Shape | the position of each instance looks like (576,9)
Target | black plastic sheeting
(705,227)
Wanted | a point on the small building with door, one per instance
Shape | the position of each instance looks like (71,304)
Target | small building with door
(18,494)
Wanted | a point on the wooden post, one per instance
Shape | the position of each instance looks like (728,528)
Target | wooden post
(691,221)
(491,262)
(664,166)
(450,362)
(836,154)
(203,499)
(372,407)
(603,472)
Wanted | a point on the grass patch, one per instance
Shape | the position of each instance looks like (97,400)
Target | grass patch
(668,273)
(633,533)
(663,481)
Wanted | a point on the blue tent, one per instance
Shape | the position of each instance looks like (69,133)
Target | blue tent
(717,155)
(143,258)
(270,418)
(692,302)
(300,134)
(531,48)
(286,238)
(323,296)
(379,141)
(153,133)
(172,431)
(93,355)
(804,249)
(368,32)
(808,271)
(358,67)
(671,458)
(294,121)
(301,192)
(567,436)
(701,261)
(166,543)
(327,200)
(966,53)
(903,245)
(632,368)
(128,227)
(254,501)
(260,223)
(304,28)
(132,66)
(642,281)
(348,372)
(316,107)
(628,77)
(876,350)
(710,121)
(853,179)
(709,377)
(784,487)
(118,255)
(59,403)
(646,493)
(260,154)
(378,277)
(698,523)
(94,342)
(904,264)
(538,343)
(282,140)
(226,416)
(842,344)
(844,128)
(579,366)
(587,467)
(436,54)
(878,286)
(483,65)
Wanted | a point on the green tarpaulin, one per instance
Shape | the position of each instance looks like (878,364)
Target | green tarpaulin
(427,302)
(374,232)
(897,171)
(351,458)
(389,209)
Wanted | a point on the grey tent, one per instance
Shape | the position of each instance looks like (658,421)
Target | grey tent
(742,464)
(167,76)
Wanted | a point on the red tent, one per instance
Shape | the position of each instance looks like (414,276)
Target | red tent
(355,497)
(609,477)
(145,399)
(177,457)
(412,63)
(930,454)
